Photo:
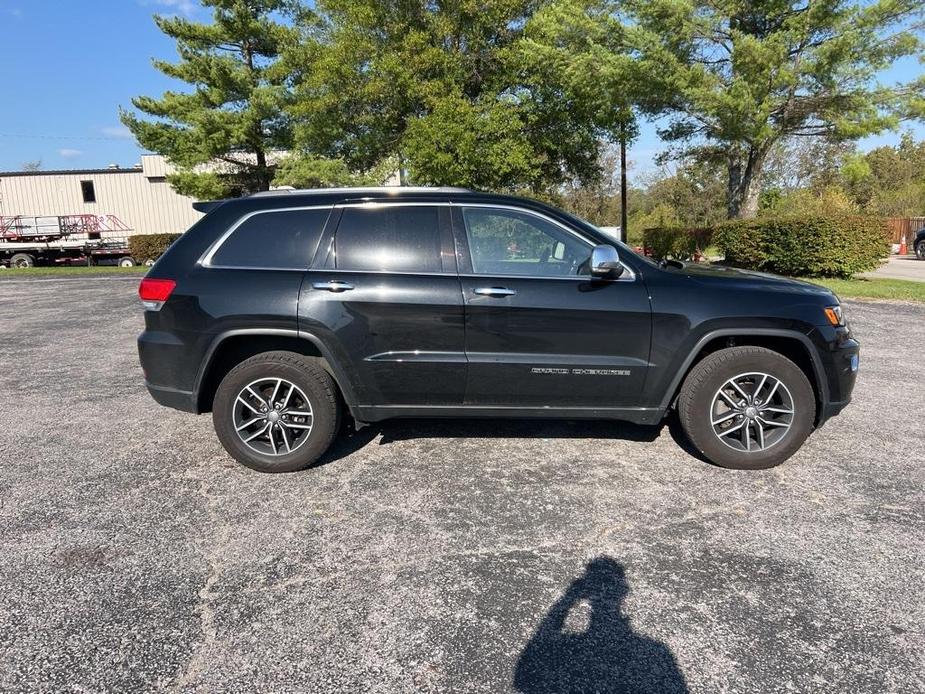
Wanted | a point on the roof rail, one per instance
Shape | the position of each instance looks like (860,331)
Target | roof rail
(368,189)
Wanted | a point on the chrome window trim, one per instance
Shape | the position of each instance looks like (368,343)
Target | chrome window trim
(206,259)
(627,276)
(335,271)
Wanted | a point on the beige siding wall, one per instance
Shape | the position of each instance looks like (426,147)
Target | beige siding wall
(146,205)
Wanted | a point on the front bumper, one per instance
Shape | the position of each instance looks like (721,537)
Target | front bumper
(841,362)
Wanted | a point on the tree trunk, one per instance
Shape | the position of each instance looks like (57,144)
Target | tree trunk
(744,186)
(623,230)
(263,171)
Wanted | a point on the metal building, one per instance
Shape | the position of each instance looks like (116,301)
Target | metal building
(139,197)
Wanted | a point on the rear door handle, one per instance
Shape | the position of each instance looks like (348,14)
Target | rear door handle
(495,291)
(333,286)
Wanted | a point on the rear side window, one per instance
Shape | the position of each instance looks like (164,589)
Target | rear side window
(285,240)
(389,238)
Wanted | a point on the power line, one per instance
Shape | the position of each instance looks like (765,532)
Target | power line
(66,137)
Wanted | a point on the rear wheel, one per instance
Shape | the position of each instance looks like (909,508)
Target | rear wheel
(920,250)
(127,261)
(276,412)
(747,407)
(22,260)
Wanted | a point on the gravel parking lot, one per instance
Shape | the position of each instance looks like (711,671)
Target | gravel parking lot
(482,556)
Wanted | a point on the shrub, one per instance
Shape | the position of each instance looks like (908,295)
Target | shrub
(149,246)
(815,246)
(676,242)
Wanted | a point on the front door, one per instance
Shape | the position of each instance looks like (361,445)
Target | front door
(391,303)
(539,331)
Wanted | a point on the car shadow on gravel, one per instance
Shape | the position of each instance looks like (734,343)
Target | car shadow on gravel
(586,644)
(352,439)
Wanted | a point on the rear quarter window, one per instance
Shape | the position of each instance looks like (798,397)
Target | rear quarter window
(285,239)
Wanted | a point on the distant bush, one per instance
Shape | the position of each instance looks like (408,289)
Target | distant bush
(150,246)
(680,243)
(815,246)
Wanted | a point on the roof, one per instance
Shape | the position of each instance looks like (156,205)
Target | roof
(71,172)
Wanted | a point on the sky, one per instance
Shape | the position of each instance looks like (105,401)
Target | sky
(66,66)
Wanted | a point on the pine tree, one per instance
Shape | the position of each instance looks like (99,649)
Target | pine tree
(222,133)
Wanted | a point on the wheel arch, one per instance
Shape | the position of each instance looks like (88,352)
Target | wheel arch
(234,346)
(792,344)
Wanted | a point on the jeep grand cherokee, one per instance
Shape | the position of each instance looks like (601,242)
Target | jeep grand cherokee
(281,311)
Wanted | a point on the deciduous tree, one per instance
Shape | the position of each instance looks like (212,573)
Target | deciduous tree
(737,76)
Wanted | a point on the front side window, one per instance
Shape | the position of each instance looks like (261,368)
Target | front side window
(508,242)
(284,240)
(389,238)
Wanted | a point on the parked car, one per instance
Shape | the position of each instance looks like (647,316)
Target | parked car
(282,311)
(919,244)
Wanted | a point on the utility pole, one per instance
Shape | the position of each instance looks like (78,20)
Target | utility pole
(623,230)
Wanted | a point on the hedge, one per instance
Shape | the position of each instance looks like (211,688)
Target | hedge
(680,243)
(813,246)
(149,246)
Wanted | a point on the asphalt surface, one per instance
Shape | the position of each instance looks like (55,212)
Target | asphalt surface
(443,556)
(906,267)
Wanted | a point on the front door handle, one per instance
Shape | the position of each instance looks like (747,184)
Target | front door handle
(495,291)
(333,286)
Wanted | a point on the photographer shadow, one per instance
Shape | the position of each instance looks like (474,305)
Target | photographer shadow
(604,654)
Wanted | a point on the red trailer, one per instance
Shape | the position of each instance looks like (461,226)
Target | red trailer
(74,239)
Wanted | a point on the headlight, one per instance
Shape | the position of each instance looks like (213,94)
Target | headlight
(836,315)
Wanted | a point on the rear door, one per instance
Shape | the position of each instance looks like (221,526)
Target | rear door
(539,331)
(388,293)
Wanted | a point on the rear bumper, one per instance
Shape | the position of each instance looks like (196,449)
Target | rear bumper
(183,400)
(168,361)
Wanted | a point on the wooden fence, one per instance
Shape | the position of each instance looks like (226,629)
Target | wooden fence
(906,227)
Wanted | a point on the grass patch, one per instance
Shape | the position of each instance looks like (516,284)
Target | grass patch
(75,271)
(877,288)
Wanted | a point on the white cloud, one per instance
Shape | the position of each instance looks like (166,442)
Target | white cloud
(184,7)
(70,153)
(117,132)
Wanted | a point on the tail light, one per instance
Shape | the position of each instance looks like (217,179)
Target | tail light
(155,292)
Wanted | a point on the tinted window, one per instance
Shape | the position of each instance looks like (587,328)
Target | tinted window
(392,238)
(274,240)
(506,242)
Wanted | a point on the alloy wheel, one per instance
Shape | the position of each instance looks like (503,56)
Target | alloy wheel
(752,412)
(272,416)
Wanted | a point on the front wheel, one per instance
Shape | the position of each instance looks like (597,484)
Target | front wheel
(920,250)
(747,407)
(276,412)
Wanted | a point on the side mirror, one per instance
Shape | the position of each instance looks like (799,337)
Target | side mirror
(605,261)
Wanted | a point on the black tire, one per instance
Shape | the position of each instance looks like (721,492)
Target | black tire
(127,261)
(920,250)
(22,260)
(308,376)
(701,390)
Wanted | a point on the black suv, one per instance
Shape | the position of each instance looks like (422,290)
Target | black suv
(279,311)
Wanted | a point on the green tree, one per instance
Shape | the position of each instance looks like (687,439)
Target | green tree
(578,51)
(222,134)
(444,88)
(739,76)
